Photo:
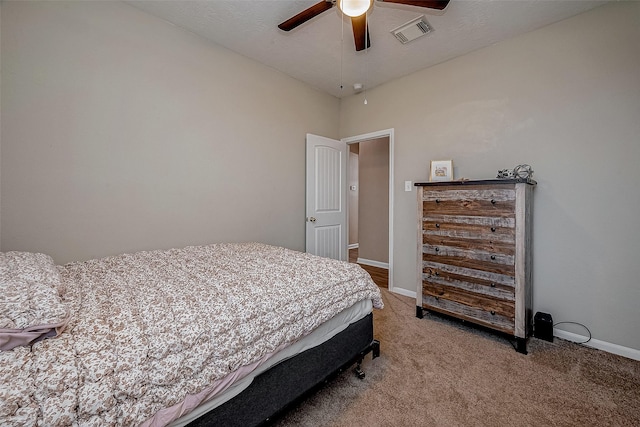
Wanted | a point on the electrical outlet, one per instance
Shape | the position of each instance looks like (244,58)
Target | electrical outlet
(407,186)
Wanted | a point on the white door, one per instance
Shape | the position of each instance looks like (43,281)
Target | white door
(326,226)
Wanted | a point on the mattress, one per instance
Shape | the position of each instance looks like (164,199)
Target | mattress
(322,334)
(121,339)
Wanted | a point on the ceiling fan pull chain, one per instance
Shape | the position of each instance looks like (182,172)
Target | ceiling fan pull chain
(366,57)
(341,50)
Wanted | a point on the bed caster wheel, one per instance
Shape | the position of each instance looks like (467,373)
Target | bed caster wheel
(359,372)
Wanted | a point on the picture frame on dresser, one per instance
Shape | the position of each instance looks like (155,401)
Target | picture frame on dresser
(441,170)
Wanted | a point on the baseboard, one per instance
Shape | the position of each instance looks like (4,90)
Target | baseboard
(372,263)
(403,292)
(630,353)
(353,246)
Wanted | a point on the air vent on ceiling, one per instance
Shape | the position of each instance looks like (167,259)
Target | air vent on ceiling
(412,30)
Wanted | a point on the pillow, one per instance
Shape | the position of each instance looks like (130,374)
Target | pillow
(30,305)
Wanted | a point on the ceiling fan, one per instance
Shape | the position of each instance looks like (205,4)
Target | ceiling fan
(357,10)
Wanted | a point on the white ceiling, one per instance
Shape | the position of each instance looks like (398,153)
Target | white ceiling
(316,53)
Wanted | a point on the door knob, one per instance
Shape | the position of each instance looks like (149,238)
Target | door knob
(311,219)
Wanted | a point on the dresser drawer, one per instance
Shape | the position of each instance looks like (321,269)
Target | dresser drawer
(478,282)
(492,305)
(486,245)
(475,228)
(490,201)
(492,262)
(472,309)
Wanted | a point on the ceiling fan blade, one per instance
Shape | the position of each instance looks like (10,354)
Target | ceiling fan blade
(361,32)
(305,15)
(430,4)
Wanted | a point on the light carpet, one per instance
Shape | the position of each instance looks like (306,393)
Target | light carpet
(440,372)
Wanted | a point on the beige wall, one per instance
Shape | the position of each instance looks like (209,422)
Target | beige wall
(565,99)
(373,210)
(121,132)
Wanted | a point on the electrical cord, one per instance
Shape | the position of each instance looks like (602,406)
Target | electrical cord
(579,324)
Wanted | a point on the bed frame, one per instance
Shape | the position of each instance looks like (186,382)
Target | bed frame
(287,383)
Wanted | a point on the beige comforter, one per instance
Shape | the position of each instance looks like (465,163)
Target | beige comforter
(149,328)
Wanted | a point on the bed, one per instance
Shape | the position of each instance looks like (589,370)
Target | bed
(223,334)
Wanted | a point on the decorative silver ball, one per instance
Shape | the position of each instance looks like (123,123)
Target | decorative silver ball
(522,172)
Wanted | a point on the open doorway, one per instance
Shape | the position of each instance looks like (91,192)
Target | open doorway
(369,199)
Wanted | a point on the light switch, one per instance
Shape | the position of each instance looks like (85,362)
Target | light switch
(407,186)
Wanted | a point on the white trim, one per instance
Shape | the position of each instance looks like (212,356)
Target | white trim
(373,263)
(353,246)
(374,135)
(404,292)
(631,353)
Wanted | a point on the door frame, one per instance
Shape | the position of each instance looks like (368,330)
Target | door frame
(363,138)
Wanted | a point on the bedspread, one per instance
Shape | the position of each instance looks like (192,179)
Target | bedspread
(149,328)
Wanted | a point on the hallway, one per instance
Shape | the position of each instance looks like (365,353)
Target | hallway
(379,275)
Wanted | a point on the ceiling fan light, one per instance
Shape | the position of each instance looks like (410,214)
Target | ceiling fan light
(354,8)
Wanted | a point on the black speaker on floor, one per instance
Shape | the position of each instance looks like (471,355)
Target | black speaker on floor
(543,326)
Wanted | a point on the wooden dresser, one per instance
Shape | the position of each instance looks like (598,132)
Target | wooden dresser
(474,253)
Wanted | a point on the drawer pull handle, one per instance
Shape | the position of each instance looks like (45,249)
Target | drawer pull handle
(493,229)
(493,202)
(437,225)
(493,313)
(493,257)
(493,285)
(437,250)
(437,200)
(437,274)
